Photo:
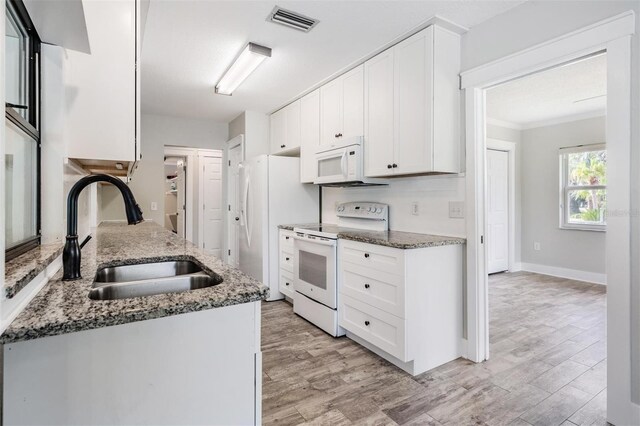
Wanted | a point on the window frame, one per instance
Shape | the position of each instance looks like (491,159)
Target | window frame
(565,189)
(30,126)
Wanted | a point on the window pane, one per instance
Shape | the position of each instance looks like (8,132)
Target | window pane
(16,61)
(20,186)
(587,207)
(587,168)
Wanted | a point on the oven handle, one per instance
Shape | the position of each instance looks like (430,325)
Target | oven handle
(316,241)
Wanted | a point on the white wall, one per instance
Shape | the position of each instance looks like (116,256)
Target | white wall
(148,181)
(564,248)
(255,128)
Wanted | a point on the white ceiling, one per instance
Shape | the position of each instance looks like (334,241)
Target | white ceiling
(189,44)
(552,94)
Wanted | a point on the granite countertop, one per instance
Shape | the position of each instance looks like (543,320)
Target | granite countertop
(395,239)
(20,271)
(64,306)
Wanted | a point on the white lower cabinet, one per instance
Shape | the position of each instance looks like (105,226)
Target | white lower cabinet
(404,305)
(286,263)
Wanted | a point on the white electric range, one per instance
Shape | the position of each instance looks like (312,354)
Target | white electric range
(315,268)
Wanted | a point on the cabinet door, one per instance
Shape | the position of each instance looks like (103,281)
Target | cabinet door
(278,131)
(309,136)
(292,122)
(413,120)
(331,111)
(353,103)
(100,113)
(378,131)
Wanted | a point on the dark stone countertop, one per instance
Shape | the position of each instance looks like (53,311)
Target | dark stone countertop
(395,239)
(64,306)
(20,271)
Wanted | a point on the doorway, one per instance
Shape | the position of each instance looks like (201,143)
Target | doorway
(613,36)
(175,195)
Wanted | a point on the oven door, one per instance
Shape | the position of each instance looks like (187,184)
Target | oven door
(332,166)
(314,268)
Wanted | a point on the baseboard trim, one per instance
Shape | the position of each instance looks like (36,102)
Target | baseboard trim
(572,274)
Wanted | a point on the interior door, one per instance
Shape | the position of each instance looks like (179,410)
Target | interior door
(235,158)
(181,187)
(212,205)
(378,131)
(498,210)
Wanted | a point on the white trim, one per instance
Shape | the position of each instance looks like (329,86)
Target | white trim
(502,123)
(565,119)
(572,274)
(612,35)
(557,51)
(510,149)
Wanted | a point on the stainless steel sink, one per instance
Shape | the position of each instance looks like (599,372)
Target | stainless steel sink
(148,279)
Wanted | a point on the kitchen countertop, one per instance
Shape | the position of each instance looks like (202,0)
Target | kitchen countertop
(20,271)
(395,239)
(64,306)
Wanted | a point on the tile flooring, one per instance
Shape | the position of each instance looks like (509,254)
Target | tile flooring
(548,367)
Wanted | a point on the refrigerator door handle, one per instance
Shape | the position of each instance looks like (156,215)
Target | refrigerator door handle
(245,211)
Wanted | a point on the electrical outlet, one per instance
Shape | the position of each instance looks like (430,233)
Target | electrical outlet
(456,209)
(536,246)
(154,206)
(415,208)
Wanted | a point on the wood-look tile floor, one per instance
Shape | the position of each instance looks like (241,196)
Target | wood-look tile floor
(548,366)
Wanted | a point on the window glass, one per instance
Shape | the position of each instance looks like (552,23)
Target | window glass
(16,62)
(21,158)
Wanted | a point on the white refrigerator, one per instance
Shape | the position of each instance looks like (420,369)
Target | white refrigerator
(271,195)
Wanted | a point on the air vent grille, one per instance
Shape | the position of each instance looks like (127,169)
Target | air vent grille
(292,19)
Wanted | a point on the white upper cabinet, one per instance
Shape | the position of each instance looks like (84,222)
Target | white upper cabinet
(412,104)
(285,129)
(342,107)
(310,135)
(101,101)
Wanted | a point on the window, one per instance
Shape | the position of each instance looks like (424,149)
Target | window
(22,137)
(583,192)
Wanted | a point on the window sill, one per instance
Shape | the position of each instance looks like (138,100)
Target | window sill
(20,271)
(582,228)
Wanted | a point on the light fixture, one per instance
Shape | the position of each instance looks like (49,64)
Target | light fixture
(248,60)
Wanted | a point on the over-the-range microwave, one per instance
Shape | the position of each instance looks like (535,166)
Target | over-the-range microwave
(342,164)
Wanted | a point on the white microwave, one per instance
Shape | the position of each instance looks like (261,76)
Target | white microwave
(342,164)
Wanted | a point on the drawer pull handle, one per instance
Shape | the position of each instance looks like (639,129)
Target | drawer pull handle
(367,323)
(366,255)
(286,258)
(367,286)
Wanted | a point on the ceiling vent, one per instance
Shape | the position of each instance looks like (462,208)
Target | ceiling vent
(292,19)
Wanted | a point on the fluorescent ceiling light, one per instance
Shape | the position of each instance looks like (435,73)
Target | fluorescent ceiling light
(250,58)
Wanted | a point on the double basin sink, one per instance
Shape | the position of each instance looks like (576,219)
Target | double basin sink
(148,279)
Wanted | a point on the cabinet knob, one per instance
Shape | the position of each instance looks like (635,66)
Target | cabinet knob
(286,283)
(286,258)
(339,135)
(389,166)
(282,146)
(237,218)
(395,165)
(286,238)
(366,255)
(367,286)
(367,323)
(336,135)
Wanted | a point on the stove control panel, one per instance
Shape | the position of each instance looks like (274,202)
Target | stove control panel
(363,210)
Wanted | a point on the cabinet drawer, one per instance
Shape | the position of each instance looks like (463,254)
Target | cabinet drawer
(372,256)
(376,288)
(286,260)
(286,283)
(286,240)
(377,327)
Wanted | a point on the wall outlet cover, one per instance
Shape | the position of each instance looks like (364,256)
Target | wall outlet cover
(415,208)
(536,246)
(456,209)
(154,206)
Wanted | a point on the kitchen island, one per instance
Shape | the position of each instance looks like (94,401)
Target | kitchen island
(179,358)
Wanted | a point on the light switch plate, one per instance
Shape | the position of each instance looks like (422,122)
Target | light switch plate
(154,206)
(415,208)
(456,209)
